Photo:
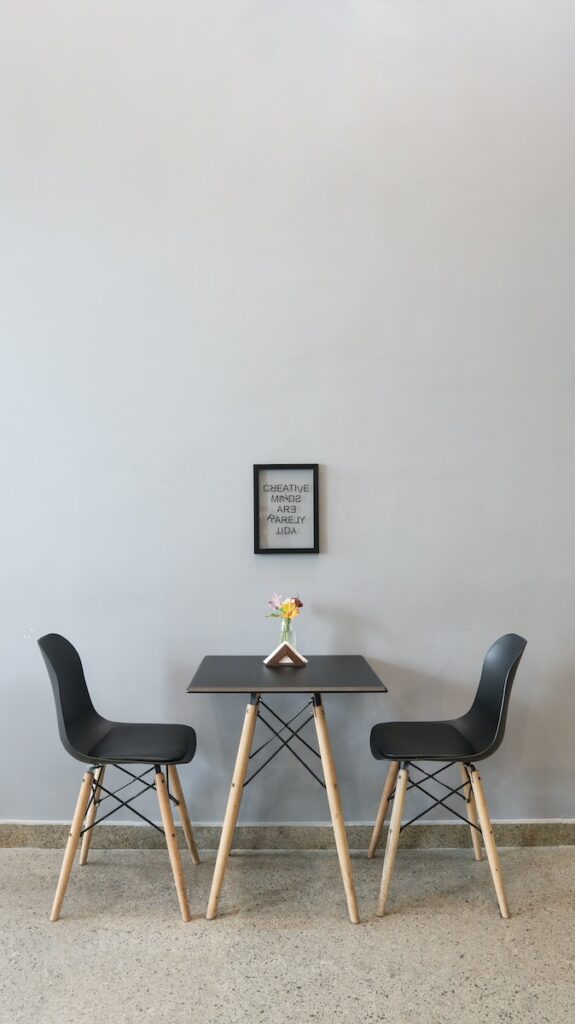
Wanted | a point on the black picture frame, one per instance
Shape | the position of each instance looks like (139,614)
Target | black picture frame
(288,468)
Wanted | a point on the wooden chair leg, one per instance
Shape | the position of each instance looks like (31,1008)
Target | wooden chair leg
(91,815)
(72,844)
(336,810)
(232,807)
(183,812)
(392,838)
(489,841)
(172,843)
(382,809)
(471,814)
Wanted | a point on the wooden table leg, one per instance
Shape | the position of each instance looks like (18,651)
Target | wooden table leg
(335,807)
(233,805)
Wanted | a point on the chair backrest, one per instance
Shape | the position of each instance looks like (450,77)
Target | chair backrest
(78,721)
(484,723)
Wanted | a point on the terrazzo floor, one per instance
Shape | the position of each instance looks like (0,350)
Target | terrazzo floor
(282,948)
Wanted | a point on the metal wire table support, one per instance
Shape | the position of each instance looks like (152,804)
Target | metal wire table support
(284,742)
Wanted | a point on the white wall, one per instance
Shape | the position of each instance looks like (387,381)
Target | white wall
(313,230)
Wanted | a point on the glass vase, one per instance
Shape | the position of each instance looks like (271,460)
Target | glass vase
(287,633)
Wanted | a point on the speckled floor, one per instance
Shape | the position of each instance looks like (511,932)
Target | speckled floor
(282,949)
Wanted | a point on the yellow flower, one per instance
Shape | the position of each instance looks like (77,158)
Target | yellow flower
(289,609)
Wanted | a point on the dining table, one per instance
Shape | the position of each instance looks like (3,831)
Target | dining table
(322,675)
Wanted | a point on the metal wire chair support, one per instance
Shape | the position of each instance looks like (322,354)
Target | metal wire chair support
(437,801)
(98,788)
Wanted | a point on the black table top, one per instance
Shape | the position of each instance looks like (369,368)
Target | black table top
(332,673)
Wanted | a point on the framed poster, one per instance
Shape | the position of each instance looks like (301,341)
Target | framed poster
(286,509)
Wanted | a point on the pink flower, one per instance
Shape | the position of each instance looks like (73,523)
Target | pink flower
(275,602)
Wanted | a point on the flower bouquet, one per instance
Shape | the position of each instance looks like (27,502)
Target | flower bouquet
(286,609)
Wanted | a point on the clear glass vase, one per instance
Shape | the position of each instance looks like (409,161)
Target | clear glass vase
(287,633)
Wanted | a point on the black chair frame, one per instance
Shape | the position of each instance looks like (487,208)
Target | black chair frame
(101,744)
(473,737)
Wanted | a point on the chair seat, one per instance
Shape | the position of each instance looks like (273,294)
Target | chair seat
(145,744)
(424,741)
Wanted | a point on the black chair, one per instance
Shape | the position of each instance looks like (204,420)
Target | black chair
(98,742)
(473,737)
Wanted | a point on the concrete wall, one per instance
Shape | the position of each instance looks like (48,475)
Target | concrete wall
(324,231)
